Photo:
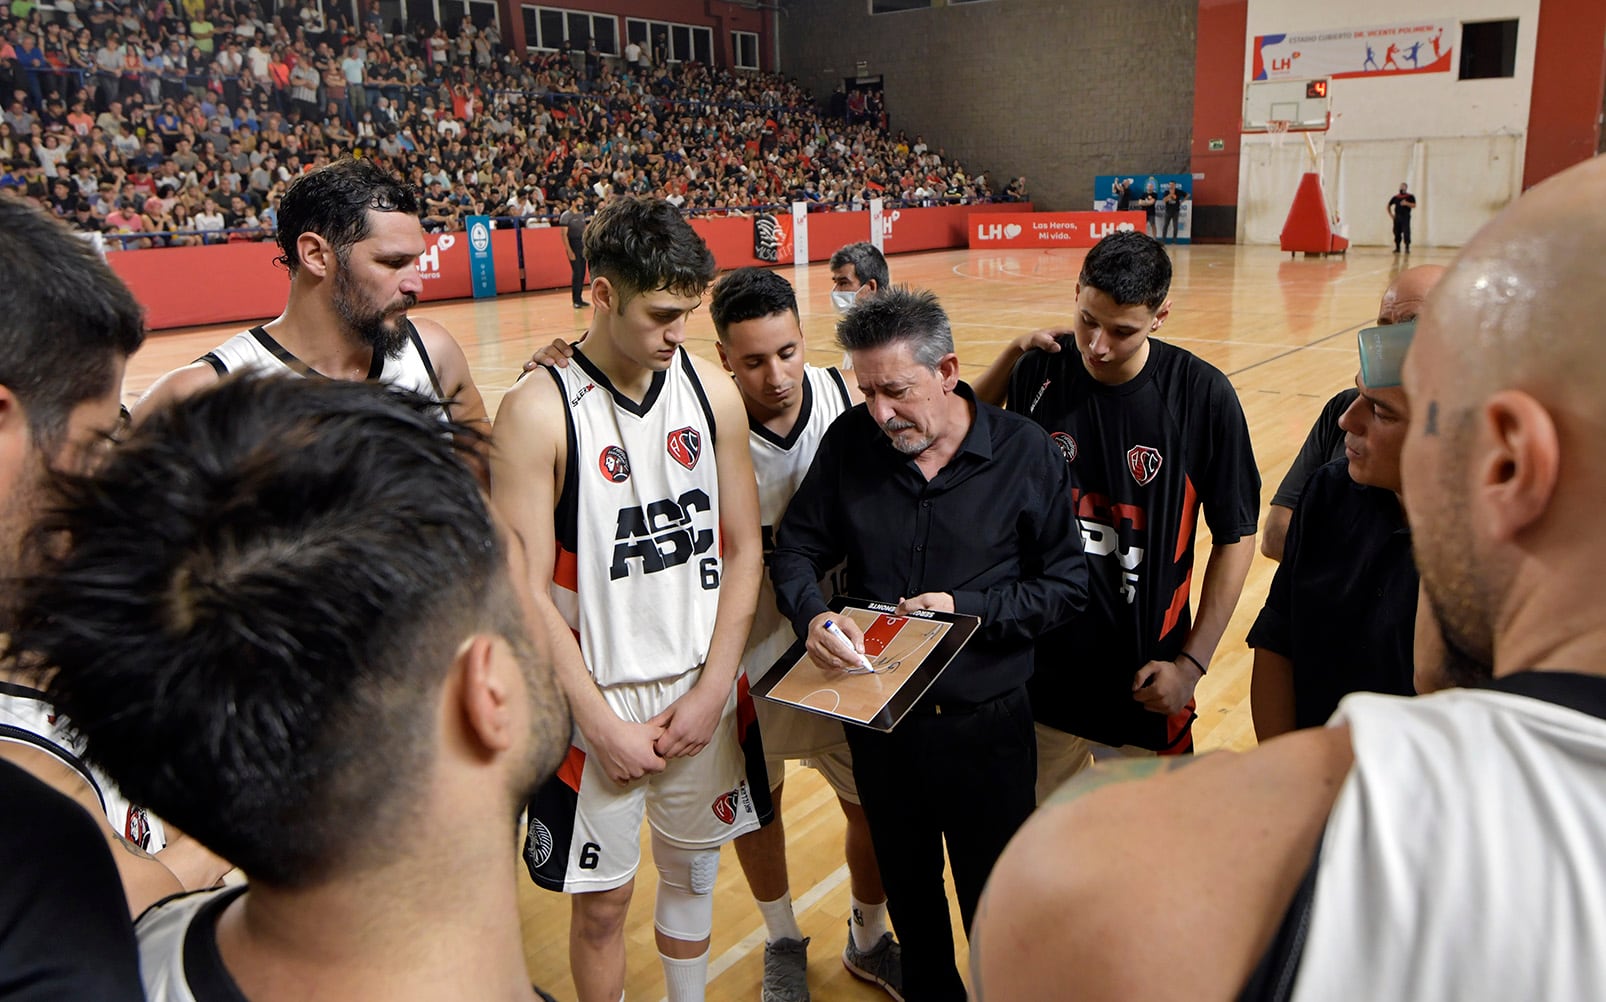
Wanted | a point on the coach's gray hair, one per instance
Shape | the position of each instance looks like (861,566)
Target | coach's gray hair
(899,314)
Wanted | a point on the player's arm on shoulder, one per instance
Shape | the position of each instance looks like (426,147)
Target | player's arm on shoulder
(457,382)
(742,558)
(992,386)
(1141,871)
(175,385)
(146,879)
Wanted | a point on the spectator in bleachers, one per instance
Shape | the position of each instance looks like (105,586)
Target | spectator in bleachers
(709,139)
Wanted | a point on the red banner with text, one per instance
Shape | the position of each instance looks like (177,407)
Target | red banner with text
(243,284)
(1048,229)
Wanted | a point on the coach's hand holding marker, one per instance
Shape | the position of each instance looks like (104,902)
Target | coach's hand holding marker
(836,631)
(826,644)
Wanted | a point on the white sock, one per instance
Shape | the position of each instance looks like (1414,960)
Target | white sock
(869,923)
(685,980)
(779,921)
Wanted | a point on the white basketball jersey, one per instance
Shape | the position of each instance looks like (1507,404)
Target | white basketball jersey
(1464,856)
(256,350)
(27,719)
(178,954)
(780,464)
(638,562)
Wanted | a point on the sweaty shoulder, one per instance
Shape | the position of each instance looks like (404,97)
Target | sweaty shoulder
(716,381)
(533,408)
(432,334)
(1191,870)
(174,386)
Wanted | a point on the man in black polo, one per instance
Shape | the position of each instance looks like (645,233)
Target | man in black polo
(1342,609)
(940,502)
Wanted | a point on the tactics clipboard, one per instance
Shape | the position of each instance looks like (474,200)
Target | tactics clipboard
(907,654)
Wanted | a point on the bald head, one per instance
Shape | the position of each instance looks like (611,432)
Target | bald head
(1504,464)
(1522,300)
(1403,299)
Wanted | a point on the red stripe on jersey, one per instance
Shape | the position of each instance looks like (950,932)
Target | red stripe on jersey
(1179,601)
(566,570)
(881,633)
(1179,730)
(745,713)
(573,767)
(1190,511)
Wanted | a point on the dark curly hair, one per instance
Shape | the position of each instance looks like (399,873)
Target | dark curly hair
(334,202)
(1131,268)
(644,244)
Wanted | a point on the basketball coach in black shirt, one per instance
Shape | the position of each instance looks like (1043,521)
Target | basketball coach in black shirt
(937,501)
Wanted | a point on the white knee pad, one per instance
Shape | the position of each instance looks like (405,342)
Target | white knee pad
(685,908)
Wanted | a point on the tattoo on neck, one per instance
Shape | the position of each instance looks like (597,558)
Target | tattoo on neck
(1432,425)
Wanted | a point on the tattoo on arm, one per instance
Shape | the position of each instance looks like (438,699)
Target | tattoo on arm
(135,851)
(1119,771)
(1432,425)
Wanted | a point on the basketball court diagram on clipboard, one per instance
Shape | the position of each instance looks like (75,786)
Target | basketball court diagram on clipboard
(906,654)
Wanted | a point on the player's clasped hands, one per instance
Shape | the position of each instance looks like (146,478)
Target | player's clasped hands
(1165,686)
(627,750)
(688,723)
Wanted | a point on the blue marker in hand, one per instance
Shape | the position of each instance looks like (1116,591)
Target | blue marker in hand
(836,631)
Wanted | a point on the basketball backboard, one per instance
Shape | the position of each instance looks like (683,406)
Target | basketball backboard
(1304,104)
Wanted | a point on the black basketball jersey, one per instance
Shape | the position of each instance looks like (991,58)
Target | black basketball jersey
(1144,456)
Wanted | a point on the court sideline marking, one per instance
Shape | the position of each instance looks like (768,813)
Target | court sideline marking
(1299,348)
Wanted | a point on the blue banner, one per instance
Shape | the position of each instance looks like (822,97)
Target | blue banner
(1170,215)
(481,266)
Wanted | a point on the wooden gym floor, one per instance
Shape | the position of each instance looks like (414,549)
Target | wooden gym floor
(1281,329)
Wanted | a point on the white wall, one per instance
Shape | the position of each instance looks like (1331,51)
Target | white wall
(1458,143)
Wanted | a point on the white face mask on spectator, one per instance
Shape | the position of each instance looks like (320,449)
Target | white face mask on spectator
(843,301)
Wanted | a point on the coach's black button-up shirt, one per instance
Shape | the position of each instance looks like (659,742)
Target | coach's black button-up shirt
(995,528)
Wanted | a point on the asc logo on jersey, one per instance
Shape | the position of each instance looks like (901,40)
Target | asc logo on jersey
(614,464)
(137,828)
(728,805)
(662,535)
(686,447)
(1143,461)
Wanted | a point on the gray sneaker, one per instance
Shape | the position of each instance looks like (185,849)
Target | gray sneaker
(880,965)
(786,962)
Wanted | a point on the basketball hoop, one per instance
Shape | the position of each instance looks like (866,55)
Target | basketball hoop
(1277,129)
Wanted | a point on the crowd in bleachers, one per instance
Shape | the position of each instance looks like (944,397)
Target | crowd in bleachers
(186,122)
